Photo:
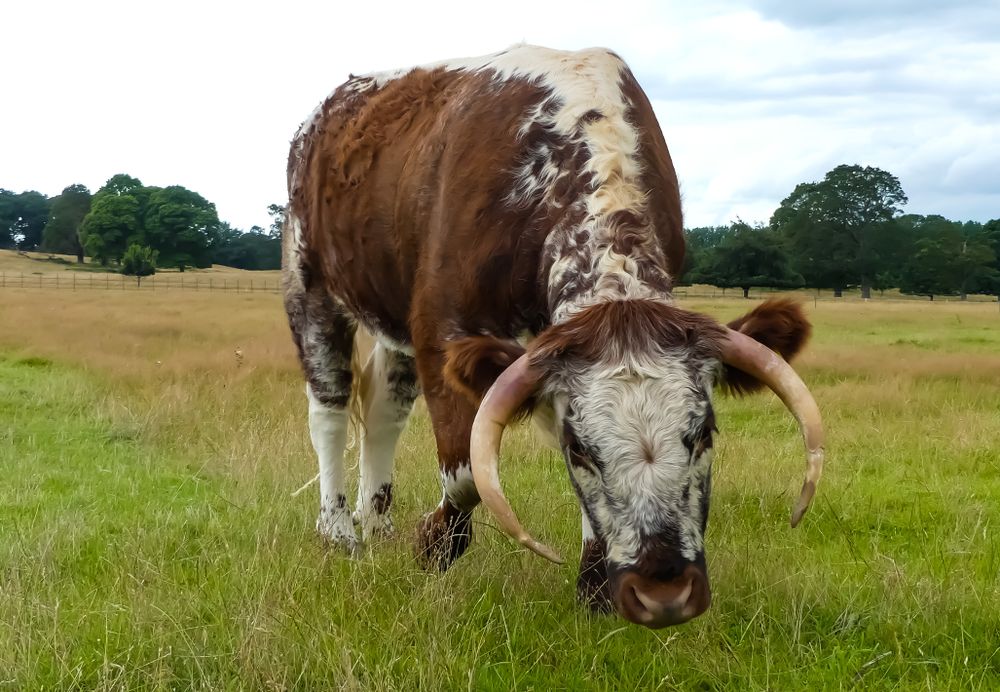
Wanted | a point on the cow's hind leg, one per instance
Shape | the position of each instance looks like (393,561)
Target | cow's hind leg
(387,390)
(324,334)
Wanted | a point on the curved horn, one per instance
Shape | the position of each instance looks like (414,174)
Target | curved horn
(507,394)
(749,355)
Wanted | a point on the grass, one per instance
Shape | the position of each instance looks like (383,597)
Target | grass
(47,264)
(148,539)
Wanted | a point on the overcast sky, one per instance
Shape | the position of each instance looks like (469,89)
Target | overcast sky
(753,96)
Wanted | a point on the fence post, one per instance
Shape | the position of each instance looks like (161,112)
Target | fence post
(74,281)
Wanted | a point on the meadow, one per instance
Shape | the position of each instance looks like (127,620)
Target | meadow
(149,538)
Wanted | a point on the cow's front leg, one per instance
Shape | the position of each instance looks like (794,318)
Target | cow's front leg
(592,588)
(444,534)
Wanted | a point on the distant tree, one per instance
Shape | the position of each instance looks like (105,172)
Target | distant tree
(139,261)
(747,257)
(8,217)
(991,236)
(121,184)
(698,241)
(66,214)
(182,225)
(277,213)
(113,221)
(833,226)
(948,261)
(22,218)
(253,249)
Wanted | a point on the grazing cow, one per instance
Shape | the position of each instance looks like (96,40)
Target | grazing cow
(461,210)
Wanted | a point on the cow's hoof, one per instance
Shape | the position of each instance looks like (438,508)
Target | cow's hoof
(442,536)
(337,532)
(374,525)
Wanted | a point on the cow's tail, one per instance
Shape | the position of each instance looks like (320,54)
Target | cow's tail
(362,367)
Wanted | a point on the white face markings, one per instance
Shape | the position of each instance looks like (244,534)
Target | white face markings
(634,420)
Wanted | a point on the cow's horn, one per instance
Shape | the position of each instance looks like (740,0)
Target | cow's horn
(747,354)
(507,394)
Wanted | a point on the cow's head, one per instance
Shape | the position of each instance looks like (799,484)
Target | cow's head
(630,383)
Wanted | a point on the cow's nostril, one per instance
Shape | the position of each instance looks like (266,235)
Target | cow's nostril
(658,604)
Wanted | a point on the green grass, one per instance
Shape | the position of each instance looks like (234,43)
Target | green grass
(148,539)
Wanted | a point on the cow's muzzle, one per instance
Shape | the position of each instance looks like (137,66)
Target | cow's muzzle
(656,604)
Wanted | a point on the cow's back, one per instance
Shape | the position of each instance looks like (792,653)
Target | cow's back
(439,187)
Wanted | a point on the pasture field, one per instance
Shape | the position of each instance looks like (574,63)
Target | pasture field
(149,539)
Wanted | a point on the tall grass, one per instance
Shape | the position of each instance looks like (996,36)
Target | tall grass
(149,540)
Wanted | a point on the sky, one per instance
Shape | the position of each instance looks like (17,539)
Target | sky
(754,96)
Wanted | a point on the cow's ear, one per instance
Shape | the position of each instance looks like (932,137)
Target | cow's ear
(473,363)
(781,325)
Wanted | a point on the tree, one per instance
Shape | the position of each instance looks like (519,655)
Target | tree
(745,258)
(948,261)
(254,249)
(66,214)
(121,184)
(113,221)
(139,261)
(182,225)
(8,217)
(833,226)
(22,218)
(698,241)
(277,213)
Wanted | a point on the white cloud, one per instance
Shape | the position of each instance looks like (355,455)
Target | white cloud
(754,97)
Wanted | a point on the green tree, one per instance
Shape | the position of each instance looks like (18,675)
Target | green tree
(139,261)
(8,217)
(277,214)
(254,249)
(22,218)
(182,225)
(698,241)
(112,222)
(121,184)
(948,260)
(745,258)
(834,226)
(66,214)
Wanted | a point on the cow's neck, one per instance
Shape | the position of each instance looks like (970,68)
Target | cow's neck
(605,257)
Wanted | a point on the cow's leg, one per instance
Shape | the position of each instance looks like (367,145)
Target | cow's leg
(324,334)
(388,389)
(444,534)
(592,588)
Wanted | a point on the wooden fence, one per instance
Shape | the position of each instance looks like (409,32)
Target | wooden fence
(81,281)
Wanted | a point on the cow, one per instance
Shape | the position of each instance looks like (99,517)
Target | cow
(509,230)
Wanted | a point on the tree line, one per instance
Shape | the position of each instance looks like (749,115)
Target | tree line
(848,231)
(136,227)
(845,231)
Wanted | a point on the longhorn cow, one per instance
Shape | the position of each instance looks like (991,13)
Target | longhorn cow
(509,229)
